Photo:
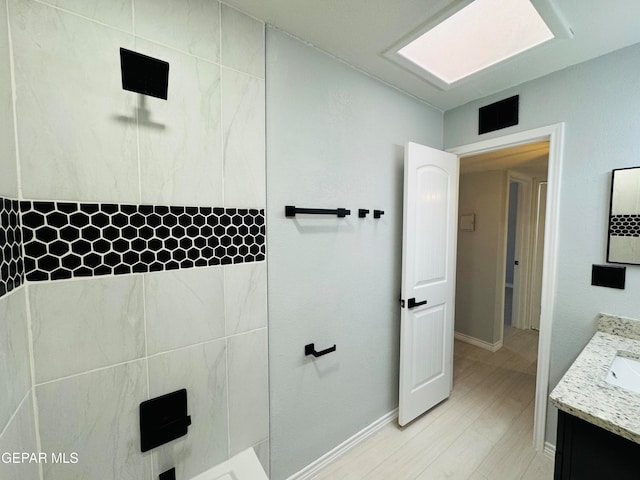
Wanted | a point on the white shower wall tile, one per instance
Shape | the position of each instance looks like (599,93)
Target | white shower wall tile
(242,42)
(82,325)
(20,437)
(15,370)
(76,130)
(184,307)
(245,297)
(79,141)
(115,13)
(262,452)
(248,390)
(200,369)
(192,26)
(180,138)
(8,179)
(96,416)
(243,110)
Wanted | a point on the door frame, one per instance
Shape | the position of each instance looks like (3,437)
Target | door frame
(555,135)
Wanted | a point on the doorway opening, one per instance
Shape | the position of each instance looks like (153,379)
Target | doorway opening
(542,245)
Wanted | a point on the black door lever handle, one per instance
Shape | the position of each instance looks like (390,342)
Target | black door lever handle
(412,303)
(310,349)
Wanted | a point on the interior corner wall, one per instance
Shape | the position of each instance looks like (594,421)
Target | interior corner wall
(599,102)
(335,138)
(17,425)
(478,279)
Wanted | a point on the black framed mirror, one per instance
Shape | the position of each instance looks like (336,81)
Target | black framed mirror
(624,217)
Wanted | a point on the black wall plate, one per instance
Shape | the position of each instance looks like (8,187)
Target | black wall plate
(163,419)
(168,475)
(143,74)
(608,276)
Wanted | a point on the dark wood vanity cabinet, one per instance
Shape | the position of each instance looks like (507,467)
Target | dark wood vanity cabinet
(587,452)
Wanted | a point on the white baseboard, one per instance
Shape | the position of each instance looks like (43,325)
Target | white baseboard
(492,347)
(314,468)
(549,450)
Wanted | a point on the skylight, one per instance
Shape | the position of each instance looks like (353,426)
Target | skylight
(483,33)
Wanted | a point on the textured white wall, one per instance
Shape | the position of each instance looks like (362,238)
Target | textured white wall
(335,138)
(599,101)
(480,272)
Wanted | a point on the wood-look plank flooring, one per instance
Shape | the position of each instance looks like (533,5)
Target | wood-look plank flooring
(484,431)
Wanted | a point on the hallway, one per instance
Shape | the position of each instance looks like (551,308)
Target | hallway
(483,431)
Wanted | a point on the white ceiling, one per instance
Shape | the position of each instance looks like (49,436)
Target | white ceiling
(361,31)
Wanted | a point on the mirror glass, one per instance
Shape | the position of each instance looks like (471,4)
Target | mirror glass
(624,217)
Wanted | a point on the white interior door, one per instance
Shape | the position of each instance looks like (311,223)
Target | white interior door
(428,279)
(520,306)
(538,255)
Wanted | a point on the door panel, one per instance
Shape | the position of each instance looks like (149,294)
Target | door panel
(428,330)
(431,231)
(428,279)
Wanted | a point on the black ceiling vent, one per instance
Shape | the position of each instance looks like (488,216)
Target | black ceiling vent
(498,115)
(143,74)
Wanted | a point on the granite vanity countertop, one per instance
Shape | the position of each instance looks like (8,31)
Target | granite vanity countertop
(584,391)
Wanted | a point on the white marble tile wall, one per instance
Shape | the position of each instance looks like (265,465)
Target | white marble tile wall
(101,346)
(184,307)
(8,179)
(248,390)
(180,141)
(20,436)
(74,140)
(202,370)
(83,138)
(95,415)
(83,325)
(17,425)
(15,369)
(92,362)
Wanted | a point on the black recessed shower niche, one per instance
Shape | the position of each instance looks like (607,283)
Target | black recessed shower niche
(163,419)
(499,115)
(143,74)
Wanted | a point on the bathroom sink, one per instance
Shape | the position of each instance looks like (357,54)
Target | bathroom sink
(625,373)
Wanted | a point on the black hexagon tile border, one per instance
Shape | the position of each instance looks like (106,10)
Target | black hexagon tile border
(624,226)
(67,239)
(11,264)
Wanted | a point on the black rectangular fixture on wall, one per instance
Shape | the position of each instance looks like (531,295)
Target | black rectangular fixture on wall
(499,115)
(143,74)
(163,419)
(608,276)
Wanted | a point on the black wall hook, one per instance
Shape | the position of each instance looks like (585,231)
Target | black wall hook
(310,349)
(378,213)
(362,212)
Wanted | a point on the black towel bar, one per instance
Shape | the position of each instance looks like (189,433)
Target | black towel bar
(290,211)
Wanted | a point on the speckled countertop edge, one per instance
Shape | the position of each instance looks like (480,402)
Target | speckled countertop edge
(584,391)
(625,327)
